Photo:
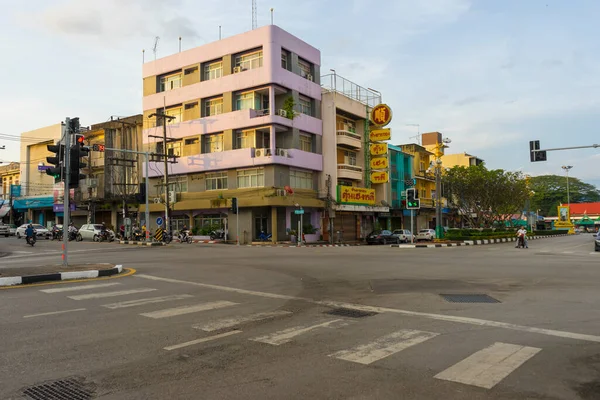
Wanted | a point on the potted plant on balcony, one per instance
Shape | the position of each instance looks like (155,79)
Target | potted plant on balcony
(288,106)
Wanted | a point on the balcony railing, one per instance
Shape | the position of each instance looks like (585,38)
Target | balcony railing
(348,138)
(349,171)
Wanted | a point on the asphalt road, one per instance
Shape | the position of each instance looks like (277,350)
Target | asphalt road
(217,321)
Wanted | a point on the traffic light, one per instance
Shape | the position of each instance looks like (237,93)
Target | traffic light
(534,154)
(234,205)
(56,160)
(74,125)
(412,202)
(78,150)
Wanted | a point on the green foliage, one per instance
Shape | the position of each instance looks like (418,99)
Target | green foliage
(485,197)
(481,234)
(289,106)
(551,190)
(206,229)
(308,229)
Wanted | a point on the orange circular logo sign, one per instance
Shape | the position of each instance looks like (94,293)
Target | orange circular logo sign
(381,115)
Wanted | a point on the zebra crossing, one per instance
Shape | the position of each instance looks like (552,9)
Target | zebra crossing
(484,368)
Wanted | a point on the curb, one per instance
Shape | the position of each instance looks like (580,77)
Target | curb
(304,245)
(468,242)
(141,243)
(59,276)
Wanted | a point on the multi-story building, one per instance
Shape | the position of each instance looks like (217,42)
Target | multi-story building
(425,184)
(354,204)
(10,178)
(112,189)
(244,122)
(401,177)
(460,160)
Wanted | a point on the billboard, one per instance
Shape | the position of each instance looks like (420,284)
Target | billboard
(355,195)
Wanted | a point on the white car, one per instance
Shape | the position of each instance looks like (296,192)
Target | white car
(404,235)
(40,231)
(426,234)
(92,232)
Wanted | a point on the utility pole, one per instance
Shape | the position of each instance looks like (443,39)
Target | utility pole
(164,118)
(66,190)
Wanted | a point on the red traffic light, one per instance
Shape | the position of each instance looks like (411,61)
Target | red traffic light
(80,139)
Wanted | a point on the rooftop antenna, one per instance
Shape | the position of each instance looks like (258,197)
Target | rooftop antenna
(418,136)
(254,19)
(143,55)
(219,32)
(155,46)
(180,44)
(272,15)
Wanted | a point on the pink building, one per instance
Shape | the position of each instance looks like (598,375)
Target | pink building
(244,119)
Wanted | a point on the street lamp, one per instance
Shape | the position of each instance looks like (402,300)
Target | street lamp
(439,151)
(567,168)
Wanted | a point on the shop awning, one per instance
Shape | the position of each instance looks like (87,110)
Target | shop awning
(34,203)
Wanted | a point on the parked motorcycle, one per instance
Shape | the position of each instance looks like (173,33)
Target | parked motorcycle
(167,237)
(218,234)
(264,237)
(74,235)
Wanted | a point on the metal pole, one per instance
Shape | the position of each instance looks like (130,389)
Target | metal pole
(568,192)
(166,174)
(299,238)
(301,227)
(439,230)
(147,199)
(66,192)
(237,221)
(412,232)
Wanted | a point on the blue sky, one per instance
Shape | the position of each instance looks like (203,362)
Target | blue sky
(490,75)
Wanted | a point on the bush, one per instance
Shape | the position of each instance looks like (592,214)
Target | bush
(308,229)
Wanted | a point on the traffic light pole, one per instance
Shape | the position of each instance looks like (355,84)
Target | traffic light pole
(66,192)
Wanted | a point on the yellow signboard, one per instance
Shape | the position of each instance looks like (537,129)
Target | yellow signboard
(381,115)
(378,149)
(380,177)
(379,163)
(378,135)
(355,195)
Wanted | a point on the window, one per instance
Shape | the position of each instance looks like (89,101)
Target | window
(213,70)
(263,139)
(305,68)
(216,180)
(349,157)
(345,124)
(306,142)
(170,82)
(249,178)
(244,139)
(215,220)
(213,143)
(178,183)
(305,105)
(213,107)
(189,106)
(301,179)
(284,59)
(251,100)
(189,71)
(174,148)
(249,60)
(175,112)
(191,146)
(424,193)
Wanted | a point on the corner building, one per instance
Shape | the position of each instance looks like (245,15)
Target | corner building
(246,124)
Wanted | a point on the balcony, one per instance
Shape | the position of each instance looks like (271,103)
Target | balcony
(346,171)
(349,139)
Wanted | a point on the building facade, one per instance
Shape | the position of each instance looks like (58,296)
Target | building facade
(354,205)
(424,218)
(10,177)
(243,120)
(401,178)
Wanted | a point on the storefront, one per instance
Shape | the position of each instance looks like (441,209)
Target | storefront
(35,209)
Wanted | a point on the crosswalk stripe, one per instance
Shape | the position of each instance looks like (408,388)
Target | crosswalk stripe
(384,346)
(286,335)
(171,312)
(197,341)
(231,322)
(53,313)
(150,300)
(80,287)
(489,366)
(109,294)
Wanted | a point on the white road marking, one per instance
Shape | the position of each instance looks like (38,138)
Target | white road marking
(206,339)
(384,346)
(171,312)
(286,335)
(81,287)
(568,252)
(440,317)
(53,313)
(489,366)
(231,322)
(109,294)
(150,300)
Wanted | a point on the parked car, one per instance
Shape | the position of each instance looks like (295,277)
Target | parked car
(426,234)
(403,235)
(92,232)
(12,229)
(4,230)
(40,231)
(382,237)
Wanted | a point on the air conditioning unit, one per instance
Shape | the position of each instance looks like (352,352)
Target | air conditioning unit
(237,69)
(282,113)
(172,197)
(309,77)
(281,192)
(259,152)
(281,152)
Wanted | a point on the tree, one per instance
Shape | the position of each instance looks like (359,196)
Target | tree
(551,190)
(484,196)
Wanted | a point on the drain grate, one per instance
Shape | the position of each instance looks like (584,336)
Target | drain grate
(64,389)
(348,312)
(469,298)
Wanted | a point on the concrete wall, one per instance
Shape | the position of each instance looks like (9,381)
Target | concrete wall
(33,181)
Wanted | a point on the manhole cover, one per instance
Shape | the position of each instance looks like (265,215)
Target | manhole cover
(469,298)
(348,312)
(64,389)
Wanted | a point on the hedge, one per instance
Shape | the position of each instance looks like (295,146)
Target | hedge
(477,234)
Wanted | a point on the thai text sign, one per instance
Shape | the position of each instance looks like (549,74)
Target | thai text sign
(381,115)
(379,177)
(378,149)
(355,195)
(379,163)
(378,135)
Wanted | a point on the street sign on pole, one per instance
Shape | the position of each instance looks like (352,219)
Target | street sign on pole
(159,221)
(299,212)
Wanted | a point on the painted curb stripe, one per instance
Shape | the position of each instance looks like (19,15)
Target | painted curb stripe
(60,276)
(41,278)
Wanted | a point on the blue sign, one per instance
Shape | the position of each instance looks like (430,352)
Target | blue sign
(44,167)
(159,221)
(15,190)
(301,211)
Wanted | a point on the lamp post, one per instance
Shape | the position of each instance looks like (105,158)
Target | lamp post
(439,152)
(567,168)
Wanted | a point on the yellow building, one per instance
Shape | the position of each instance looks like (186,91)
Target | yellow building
(425,183)
(9,175)
(460,160)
